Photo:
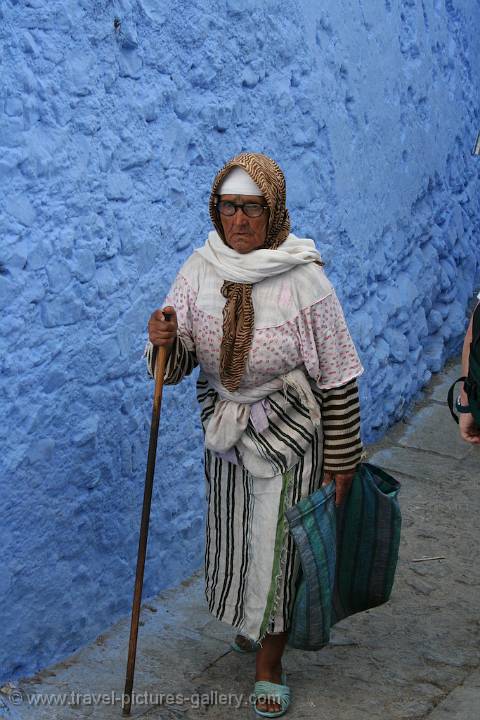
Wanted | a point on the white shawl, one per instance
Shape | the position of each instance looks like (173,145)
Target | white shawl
(257,265)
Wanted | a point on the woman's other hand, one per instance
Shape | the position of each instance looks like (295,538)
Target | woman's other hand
(342,483)
(469,430)
(163,331)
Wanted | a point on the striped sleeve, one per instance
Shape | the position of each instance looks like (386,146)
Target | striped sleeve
(180,363)
(341,427)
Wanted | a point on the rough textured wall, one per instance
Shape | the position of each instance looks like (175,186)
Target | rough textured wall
(114,117)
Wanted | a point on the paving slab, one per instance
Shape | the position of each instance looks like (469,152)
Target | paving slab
(463,703)
(433,429)
(411,461)
(415,657)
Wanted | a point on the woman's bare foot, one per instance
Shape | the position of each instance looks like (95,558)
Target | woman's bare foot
(244,643)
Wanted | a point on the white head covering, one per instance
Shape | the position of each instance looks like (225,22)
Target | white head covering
(238,182)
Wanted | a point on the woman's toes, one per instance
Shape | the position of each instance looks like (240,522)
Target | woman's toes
(267,705)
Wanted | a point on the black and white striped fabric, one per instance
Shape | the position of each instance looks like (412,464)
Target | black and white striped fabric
(247,586)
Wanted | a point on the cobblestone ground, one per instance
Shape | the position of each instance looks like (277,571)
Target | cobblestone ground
(416,657)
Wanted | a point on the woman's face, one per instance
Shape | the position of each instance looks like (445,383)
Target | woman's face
(243,233)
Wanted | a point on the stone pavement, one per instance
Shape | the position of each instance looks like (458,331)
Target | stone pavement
(416,657)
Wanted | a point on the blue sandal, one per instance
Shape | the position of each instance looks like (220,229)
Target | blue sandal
(275,693)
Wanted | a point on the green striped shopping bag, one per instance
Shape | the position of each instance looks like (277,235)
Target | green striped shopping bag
(348,554)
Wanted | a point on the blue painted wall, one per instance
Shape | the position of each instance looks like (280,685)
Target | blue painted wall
(109,140)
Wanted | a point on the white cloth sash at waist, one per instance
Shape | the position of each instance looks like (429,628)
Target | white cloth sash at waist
(232,412)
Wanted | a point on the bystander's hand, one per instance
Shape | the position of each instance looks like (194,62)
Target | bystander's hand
(343,482)
(163,331)
(469,430)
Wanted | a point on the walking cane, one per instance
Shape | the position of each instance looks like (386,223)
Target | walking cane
(159,372)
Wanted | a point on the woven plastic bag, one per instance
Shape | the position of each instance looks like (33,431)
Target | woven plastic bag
(348,554)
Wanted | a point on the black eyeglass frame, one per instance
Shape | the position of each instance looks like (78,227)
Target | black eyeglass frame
(239,205)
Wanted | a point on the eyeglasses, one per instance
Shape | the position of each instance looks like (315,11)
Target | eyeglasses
(251,209)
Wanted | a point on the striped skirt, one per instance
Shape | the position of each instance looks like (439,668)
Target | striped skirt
(251,565)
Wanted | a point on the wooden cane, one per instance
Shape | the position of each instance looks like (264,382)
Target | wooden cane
(160,363)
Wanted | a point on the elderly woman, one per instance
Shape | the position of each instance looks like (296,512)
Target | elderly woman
(278,398)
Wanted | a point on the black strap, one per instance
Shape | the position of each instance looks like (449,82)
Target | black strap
(450,397)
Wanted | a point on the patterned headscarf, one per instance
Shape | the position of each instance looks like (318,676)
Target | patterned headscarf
(238,313)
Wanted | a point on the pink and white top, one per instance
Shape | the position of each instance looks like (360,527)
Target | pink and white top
(298,323)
